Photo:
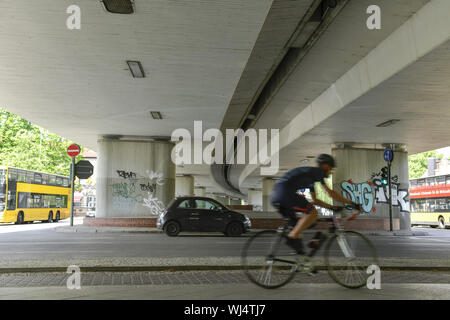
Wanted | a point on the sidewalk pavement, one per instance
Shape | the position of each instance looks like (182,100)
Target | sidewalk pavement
(233,291)
(127,264)
(86,229)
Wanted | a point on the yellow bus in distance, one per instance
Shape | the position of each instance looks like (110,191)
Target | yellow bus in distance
(27,196)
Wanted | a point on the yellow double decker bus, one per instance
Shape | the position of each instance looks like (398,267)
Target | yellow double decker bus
(27,196)
(430,201)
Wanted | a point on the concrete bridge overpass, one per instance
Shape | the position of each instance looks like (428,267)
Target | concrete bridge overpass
(310,68)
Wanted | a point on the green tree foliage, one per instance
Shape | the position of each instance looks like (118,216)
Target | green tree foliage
(418,163)
(27,146)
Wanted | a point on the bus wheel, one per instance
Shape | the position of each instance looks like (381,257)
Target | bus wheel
(50,218)
(20,218)
(58,217)
(441,222)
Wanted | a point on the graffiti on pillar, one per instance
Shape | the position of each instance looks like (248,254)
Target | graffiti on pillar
(155,205)
(132,189)
(361,193)
(372,192)
(126,174)
(400,197)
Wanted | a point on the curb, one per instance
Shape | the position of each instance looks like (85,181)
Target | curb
(253,231)
(193,268)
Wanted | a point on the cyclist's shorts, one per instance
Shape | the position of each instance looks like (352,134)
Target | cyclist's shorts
(288,202)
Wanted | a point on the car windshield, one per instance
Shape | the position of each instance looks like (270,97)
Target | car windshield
(2,189)
(209,205)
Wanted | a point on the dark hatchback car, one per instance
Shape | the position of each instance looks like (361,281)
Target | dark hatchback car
(201,214)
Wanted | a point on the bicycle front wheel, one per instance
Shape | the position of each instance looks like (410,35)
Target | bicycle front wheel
(268,261)
(348,255)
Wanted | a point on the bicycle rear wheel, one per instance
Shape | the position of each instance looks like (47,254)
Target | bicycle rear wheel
(268,261)
(347,256)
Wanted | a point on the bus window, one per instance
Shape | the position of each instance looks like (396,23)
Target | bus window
(59,201)
(52,199)
(12,175)
(45,178)
(65,182)
(23,199)
(52,180)
(45,202)
(2,189)
(440,180)
(21,176)
(38,178)
(30,177)
(447,180)
(36,200)
(58,181)
(421,182)
(442,205)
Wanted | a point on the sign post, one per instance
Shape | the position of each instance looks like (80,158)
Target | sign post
(388,156)
(73,150)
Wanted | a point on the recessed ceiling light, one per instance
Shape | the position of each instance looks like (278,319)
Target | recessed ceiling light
(118,6)
(156,115)
(136,69)
(388,123)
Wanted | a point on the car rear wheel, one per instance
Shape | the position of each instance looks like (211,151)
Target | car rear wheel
(234,229)
(20,218)
(441,222)
(172,228)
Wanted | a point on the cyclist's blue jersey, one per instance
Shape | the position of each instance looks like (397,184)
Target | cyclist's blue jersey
(302,177)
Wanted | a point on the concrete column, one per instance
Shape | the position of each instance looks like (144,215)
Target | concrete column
(222,200)
(134,178)
(357,177)
(200,191)
(255,199)
(268,184)
(235,202)
(184,186)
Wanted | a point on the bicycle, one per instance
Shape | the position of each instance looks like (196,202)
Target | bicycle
(348,254)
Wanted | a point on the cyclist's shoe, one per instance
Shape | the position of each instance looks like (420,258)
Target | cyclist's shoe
(316,242)
(296,244)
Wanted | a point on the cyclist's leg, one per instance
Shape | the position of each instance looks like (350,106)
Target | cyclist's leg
(311,216)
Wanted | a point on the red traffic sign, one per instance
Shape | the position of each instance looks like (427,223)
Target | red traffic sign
(73,150)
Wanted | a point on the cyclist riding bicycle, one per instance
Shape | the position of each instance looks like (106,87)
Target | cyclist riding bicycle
(286,199)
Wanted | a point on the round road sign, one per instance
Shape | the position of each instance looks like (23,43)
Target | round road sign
(73,150)
(388,155)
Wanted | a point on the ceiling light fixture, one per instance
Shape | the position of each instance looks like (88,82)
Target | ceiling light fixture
(388,123)
(156,115)
(118,6)
(136,69)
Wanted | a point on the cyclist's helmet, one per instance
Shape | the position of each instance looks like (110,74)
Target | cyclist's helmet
(326,159)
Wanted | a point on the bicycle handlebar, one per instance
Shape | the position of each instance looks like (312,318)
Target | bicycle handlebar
(353,216)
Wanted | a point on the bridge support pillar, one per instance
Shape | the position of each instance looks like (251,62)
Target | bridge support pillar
(235,202)
(267,184)
(358,176)
(184,186)
(255,198)
(135,179)
(200,191)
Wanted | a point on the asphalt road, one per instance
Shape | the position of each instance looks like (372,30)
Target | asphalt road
(39,241)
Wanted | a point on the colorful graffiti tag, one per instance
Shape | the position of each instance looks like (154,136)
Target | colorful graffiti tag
(370,193)
(361,193)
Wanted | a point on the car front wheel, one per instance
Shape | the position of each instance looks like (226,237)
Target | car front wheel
(234,229)
(172,228)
